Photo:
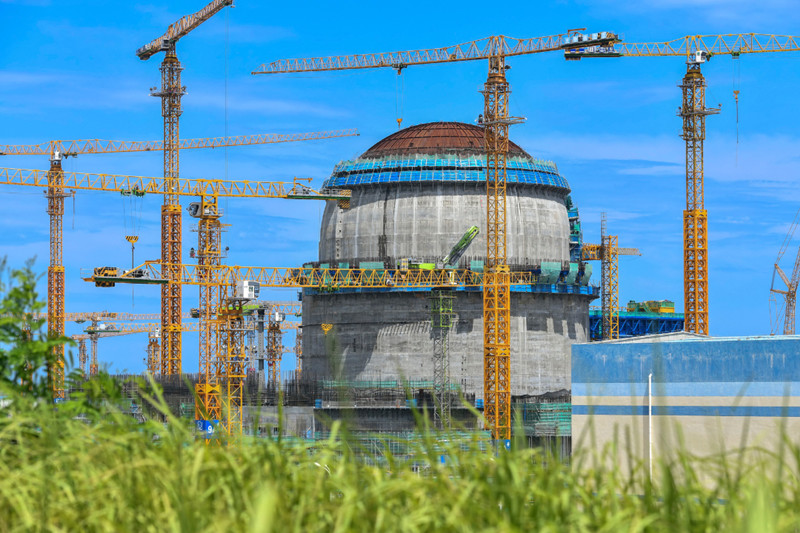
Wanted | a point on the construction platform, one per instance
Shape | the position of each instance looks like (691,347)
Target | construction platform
(636,324)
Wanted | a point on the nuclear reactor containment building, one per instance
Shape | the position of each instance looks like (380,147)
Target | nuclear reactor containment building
(414,195)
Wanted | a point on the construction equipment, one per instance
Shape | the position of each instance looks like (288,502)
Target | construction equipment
(495,120)
(652,306)
(461,247)
(697,49)
(57,184)
(315,278)
(170,94)
(608,252)
(784,311)
(442,317)
(93,337)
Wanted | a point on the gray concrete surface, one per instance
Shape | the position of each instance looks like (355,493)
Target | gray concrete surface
(388,336)
(425,220)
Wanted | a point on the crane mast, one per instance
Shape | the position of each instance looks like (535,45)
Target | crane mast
(274,355)
(55,274)
(171,293)
(209,255)
(695,218)
(153,351)
(170,93)
(608,252)
(496,284)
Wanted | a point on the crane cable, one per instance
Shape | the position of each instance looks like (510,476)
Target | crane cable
(737,80)
(399,100)
(135,199)
(227,54)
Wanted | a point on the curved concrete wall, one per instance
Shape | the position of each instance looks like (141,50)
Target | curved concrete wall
(424,221)
(389,336)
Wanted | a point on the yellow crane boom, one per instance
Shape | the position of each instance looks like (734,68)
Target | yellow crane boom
(180,29)
(722,44)
(186,187)
(472,50)
(101,146)
(495,120)
(302,277)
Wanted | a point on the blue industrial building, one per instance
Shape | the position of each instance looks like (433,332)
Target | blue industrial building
(709,393)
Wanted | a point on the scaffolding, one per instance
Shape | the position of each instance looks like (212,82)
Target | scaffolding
(441,321)
(233,343)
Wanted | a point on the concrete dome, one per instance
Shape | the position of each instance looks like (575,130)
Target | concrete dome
(435,137)
(414,196)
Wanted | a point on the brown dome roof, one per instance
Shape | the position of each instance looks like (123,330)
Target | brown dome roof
(433,138)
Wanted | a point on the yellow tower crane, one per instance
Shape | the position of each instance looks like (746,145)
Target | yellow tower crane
(170,94)
(56,187)
(495,120)
(81,339)
(608,253)
(697,49)
(108,329)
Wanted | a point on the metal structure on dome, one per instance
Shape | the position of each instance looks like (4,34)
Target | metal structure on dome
(496,120)
(697,49)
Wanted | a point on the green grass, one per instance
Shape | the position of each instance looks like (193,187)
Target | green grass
(89,467)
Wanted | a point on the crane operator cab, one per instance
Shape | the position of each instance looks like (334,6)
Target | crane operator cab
(699,57)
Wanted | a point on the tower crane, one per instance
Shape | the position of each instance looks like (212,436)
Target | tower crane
(56,186)
(170,94)
(697,49)
(788,306)
(81,338)
(495,120)
(153,329)
(608,253)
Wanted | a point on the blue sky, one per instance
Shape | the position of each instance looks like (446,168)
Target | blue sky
(68,70)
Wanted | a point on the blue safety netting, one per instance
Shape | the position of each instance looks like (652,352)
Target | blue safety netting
(512,176)
(441,169)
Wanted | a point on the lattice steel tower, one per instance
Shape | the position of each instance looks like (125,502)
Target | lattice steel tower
(695,219)
(441,321)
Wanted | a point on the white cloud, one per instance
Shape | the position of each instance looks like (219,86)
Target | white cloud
(20,78)
(263,106)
